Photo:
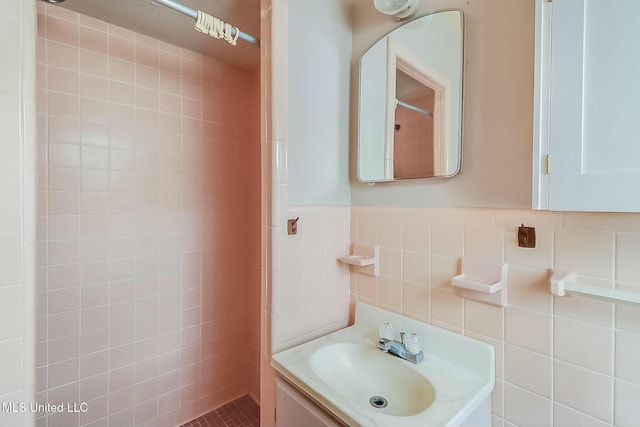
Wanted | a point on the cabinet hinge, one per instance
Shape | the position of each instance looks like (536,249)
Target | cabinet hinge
(547,164)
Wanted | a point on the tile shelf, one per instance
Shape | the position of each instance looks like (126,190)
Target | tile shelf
(474,284)
(482,281)
(357,260)
(364,257)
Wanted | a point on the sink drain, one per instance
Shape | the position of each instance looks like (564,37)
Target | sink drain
(378,402)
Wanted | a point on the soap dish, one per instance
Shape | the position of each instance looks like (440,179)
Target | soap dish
(482,281)
(364,257)
(357,260)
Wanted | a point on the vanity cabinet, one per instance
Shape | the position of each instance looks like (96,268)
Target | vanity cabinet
(587,114)
(293,409)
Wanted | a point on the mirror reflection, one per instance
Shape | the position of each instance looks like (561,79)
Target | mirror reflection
(414,139)
(410,101)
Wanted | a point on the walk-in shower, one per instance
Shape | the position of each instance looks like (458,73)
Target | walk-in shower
(148,236)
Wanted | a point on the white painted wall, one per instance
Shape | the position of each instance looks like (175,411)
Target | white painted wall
(318,90)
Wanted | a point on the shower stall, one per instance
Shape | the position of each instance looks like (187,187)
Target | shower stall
(148,224)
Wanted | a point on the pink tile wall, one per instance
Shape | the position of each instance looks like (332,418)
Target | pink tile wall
(148,226)
(567,361)
(311,296)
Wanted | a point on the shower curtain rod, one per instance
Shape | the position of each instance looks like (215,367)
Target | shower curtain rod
(178,7)
(414,108)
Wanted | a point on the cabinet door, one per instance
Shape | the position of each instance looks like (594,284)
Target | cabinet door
(594,106)
(295,410)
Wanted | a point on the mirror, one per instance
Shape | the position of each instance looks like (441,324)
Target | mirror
(410,102)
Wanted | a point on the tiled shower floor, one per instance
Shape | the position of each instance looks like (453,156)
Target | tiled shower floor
(242,412)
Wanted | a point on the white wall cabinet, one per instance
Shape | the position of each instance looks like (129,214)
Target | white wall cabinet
(587,106)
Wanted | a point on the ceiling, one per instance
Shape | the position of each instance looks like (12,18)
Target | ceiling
(162,23)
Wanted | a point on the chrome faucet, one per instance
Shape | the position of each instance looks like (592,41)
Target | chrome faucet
(397,348)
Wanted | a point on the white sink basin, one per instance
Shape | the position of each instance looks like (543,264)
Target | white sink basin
(358,373)
(344,370)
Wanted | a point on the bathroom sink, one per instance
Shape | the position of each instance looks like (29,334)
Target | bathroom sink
(370,378)
(346,374)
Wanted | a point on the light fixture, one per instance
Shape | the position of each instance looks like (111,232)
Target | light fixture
(53,1)
(401,9)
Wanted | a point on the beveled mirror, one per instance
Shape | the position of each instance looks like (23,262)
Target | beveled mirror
(410,101)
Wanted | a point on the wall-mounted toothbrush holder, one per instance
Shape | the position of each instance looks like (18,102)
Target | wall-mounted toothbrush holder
(364,257)
(482,281)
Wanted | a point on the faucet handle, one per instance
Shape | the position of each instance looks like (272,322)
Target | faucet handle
(402,337)
(386,331)
(412,343)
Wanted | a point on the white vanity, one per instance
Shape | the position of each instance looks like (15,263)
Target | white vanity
(345,379)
